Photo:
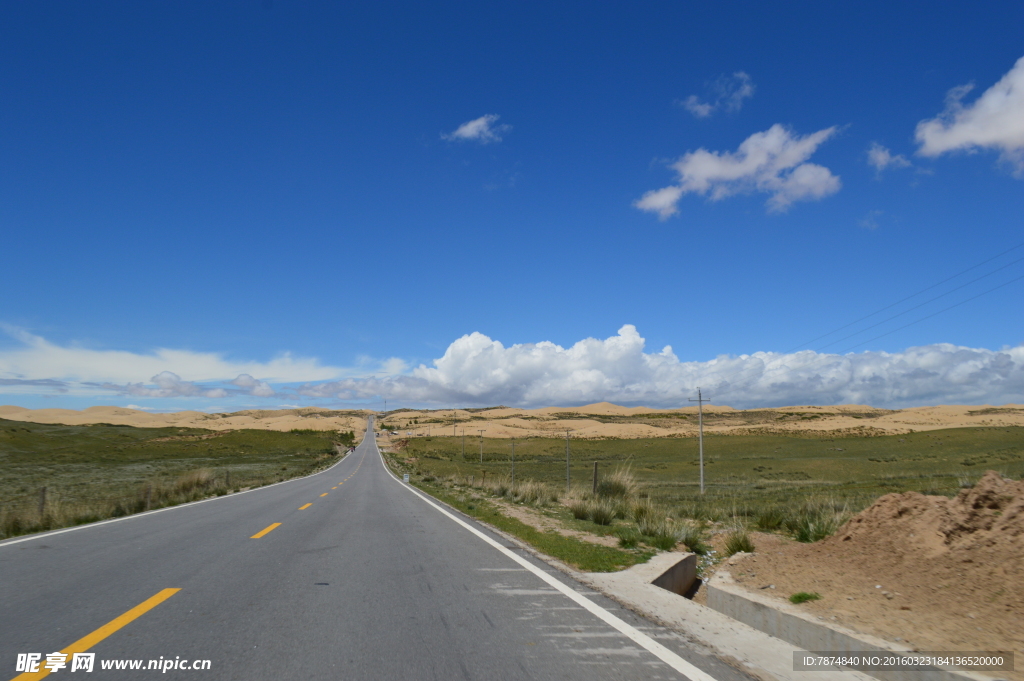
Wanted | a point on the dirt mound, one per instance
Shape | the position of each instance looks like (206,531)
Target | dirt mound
(931,572)
(987,516)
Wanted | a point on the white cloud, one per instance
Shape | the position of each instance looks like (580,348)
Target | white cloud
(881,158)
(477,370)
(37,366)
(772,162)
(483,130)
(168,384)
(38,359)
(729,93)
(994,121)
(870,220)
(699,109)
(253,387)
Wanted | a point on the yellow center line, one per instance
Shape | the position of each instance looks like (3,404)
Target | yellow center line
(83,644)
(267,530)
(335,487)
(325,494)
(303,508)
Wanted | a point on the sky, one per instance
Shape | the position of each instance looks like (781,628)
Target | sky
(260,204)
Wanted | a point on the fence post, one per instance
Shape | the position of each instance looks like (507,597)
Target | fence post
(149,495)
(595,477)
(42,502)
(227,478)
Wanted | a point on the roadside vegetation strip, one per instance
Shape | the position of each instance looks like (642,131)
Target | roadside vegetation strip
(581,555)
(83,644)
(59,476)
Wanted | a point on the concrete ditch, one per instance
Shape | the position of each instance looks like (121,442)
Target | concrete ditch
(786,622)
(642,588)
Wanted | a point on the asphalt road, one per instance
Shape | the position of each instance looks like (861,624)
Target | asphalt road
(360,577)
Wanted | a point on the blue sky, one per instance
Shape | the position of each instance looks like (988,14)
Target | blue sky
(441,203)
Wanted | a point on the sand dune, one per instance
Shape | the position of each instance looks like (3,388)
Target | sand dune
(602,420)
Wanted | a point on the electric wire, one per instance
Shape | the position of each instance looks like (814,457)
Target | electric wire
(919,305)
(903,300)
(933,314)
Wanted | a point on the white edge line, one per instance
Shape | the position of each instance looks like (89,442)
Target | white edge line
(658,650)
(87,526)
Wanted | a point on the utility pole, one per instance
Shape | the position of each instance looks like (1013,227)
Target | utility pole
(567,460)
(700,420)
(463,444)
(513,461)
(454,423)
(481,446)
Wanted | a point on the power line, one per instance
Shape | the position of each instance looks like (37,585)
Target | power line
(934,313)
(902,300)
(720,380)
(919,305)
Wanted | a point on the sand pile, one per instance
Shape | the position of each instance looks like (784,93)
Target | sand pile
(985,521)
(927,571)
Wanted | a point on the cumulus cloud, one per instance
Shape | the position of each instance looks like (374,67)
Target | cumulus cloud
(881,158)
(994,121)
(167,384)
(483,130)
(477,370)
(35,358)
(253,387)
(728,93)
(36,365)
(771,162)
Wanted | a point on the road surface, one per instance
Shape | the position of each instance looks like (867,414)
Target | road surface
(347,574)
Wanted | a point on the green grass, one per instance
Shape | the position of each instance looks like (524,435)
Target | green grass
(101,471)
(738,541)
(773,481)
(803,597)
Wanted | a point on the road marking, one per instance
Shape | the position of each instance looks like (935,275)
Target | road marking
(658,650)
(335,487)
(303,508)
(266,530)
(325,494)
(83,644)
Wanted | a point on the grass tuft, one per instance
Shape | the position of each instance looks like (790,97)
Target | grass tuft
(738,541)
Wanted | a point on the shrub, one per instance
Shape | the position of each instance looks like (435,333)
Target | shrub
(642,511)
(602,513)
(650,526)
(817,519)
(694,536)
(628,537)
(770,518)
(618,485)
(580,509)
(665,542)
(738,541)
(803,597)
